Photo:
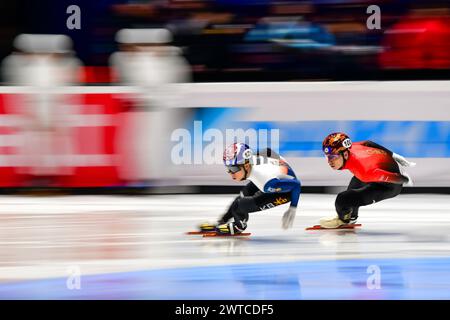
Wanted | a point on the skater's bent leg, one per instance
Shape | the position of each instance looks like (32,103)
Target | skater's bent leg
(240,209)
(355,183)
(271,200)
(258,202)
(349,201)
(249,190)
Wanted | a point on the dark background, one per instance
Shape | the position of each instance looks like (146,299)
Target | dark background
(213,35)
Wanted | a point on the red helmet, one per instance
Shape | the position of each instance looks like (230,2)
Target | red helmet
(336,143)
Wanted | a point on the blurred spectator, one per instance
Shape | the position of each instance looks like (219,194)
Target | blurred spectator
(44,63)
(421,40)
(285,39)
(292,32)
(221,39)
(147,62)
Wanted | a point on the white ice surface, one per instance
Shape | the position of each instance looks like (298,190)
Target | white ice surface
(42,237)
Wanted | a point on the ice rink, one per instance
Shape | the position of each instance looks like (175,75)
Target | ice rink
(128,247)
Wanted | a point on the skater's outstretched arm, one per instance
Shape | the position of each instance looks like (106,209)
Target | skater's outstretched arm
(229,214)
(248,190)
(285,185)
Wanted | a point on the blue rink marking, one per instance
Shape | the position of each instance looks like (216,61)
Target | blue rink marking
(417,278)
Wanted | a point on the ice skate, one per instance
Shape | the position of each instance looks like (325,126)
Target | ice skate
(353,219)
(204,228)
(332,223)
(335,223)
(228,229)
(207,227)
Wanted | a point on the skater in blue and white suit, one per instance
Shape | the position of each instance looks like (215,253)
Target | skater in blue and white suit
(272,183)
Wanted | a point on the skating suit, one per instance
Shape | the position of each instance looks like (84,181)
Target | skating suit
(370,162)
(274,175)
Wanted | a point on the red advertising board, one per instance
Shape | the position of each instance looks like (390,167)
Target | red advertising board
(76,148)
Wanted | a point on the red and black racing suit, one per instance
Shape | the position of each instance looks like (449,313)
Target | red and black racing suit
(376,177)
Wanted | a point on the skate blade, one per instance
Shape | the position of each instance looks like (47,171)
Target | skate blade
(215,234)
(347,226)
(199,232)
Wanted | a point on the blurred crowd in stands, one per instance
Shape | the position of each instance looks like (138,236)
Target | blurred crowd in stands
(243,40)
(55,134)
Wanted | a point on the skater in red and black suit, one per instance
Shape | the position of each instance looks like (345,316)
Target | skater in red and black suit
(377,175)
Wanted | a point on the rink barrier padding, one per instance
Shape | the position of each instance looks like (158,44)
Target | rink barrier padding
(410,117)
